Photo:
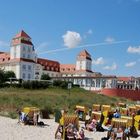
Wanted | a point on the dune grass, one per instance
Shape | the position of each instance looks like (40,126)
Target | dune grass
(51,99)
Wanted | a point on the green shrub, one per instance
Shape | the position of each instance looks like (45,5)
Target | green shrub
(35,84)
(12,115)
(59,83)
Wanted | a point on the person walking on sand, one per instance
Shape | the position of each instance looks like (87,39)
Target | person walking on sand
(35,118)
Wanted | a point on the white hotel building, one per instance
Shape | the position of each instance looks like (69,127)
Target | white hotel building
(23,61)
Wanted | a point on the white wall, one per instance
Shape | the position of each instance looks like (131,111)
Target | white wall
(24,70)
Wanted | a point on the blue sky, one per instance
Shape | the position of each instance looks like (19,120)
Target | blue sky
(108,29)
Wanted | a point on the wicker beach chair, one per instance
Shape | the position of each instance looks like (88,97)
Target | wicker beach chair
(129,119)
(119,122)
(81,112)
(132,109)
(30,112)
(96,107)
(95,115)
(124,111)
(64,122)
(105,108)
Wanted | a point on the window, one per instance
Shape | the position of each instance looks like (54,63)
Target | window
(29,76)
(23,55)
(29,67)
(23,76)
(29,49)
(24,67)
(28,55)
(24,48)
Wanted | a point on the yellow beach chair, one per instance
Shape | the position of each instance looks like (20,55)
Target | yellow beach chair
(70,119)
(137,107)
(65,120)
(81,112)
(129,119)
(119,122)
(30,112)
(96,115)
(137,122)
(132,109)
(105,108)
(122,105)
(96,107)
(124,111)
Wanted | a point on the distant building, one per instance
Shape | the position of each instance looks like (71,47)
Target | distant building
(23,61)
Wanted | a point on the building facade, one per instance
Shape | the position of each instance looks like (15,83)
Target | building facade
(23,61)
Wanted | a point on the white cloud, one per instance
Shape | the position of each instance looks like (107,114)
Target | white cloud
(109,40)
(133,49)
(98,61)
(113,67)
(89,32)
(71,39)
(130,64)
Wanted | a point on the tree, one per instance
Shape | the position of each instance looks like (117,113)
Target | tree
(1,76)
(45,77)
(9,74)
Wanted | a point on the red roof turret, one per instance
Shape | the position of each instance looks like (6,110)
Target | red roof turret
(22,34)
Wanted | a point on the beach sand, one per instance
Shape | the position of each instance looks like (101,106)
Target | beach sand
(11,130)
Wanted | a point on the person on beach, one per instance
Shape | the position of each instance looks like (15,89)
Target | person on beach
(35,118)
(92,125)
(22,117)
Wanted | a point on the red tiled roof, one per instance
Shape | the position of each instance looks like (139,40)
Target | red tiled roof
(67,68)
(84,54)
(125,79)
(4,57)
(22,34)
(22,59)
(49,65)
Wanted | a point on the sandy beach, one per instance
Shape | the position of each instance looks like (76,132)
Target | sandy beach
(11,130)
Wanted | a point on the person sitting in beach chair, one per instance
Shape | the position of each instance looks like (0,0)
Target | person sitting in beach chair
(119,134)
(117,114)
(69,133)
(67,125)
(92,125)
(22,117)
